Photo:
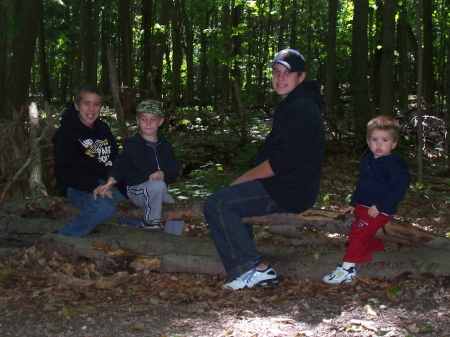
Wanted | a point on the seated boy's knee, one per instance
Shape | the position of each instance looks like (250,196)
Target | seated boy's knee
(157,185)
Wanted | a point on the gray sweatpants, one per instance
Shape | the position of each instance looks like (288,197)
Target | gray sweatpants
(150,195)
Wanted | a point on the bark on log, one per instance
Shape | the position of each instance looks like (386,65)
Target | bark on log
(138,250)
(286,223)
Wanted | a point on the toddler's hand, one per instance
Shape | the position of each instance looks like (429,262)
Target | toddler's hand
(348,209)
(373,211)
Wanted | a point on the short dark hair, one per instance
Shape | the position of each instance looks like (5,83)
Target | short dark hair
(88,88)
(386,123)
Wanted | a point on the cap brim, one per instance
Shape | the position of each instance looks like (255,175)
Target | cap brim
(270,65)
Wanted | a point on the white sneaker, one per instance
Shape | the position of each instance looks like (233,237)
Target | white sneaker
(261,278)
(340,275)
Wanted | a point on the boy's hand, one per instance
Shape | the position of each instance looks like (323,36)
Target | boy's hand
(103,190)
(373,211)
(158,175)
(348,209)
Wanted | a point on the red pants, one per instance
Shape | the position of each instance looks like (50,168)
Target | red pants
(361,243)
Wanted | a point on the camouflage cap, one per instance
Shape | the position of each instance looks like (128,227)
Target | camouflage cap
(151,106)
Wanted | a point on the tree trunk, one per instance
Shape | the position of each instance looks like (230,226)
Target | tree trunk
(419,95)
(114,88)
(330,76)
(80,46)
(429,81)
(147,84)
(45,81)
(23,52)
(447,92)
(283,223)
(177,54)
(386,88)
(403,83)
(359,86)
(160,44)
(138,250)
(35,184)
(3,58)
(189,52)
(126,50)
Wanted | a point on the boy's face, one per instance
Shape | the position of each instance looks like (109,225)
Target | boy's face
(149,124)
(284,81)
(89,108)
(381,143)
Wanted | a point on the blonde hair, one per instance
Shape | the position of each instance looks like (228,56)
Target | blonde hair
(386,123)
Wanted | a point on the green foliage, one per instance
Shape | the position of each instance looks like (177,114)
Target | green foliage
(211,175)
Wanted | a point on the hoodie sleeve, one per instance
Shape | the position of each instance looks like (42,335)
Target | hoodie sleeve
(170,165)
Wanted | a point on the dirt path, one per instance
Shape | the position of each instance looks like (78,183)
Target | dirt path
(35,301)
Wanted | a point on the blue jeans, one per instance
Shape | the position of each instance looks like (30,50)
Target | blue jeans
(233,238)
(94,212)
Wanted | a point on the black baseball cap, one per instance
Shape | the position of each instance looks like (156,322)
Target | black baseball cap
(291,59)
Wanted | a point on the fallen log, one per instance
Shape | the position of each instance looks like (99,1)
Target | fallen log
(281,223)
(135,250)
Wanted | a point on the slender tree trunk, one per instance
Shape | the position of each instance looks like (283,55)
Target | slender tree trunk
(114,84)
(177,54)
(3,58)
(283,21)
(402,62)
(361,104)
(147,84)
(203,80)
(331,58)
(375,52)
(189,51)
(45,80)
(23,52)
(160,44)
(419,94)
(35,184)
(429,81)
(447,93)
(80,46)
(293,36)
(386,88)
(126,51)
(63,86)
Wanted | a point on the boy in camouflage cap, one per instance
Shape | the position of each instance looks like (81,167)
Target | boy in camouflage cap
(148,164)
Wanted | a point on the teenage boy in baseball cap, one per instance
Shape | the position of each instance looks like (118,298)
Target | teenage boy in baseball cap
(285,177)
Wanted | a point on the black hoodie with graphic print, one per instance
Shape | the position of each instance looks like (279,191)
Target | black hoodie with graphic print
(83,156)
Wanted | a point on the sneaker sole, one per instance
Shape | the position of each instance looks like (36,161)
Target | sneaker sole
(274,282)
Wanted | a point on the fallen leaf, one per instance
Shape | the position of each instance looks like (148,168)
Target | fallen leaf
(369,310)
(137,326)
(49,308)
(316,256)
(278,303)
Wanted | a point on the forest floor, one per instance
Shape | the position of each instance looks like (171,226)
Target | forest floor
(35,302)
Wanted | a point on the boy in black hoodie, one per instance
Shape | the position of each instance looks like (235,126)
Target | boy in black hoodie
(147,164)
(285,177)
(85,150)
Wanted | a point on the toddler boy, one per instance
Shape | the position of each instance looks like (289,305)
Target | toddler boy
(381,186)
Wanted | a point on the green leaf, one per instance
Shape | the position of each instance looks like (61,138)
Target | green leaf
(4,272)
(426,329)
(72,312)
(53,327)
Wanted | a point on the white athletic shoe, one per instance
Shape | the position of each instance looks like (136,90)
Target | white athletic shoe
(261,278)
(340,275)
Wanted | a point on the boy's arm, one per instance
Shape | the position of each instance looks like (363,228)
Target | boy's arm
(263,170)
(398,182)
